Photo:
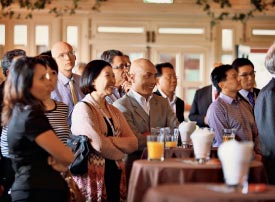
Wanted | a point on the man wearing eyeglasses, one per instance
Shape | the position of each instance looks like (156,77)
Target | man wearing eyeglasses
(246,73)
(120,69)
(67,89)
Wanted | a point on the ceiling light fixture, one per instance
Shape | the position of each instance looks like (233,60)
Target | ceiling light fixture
(159,1)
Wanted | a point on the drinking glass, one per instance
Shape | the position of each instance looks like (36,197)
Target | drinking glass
(170,141)
(202,143)
(235,158)
(155,146)
(228,134)
(155,131)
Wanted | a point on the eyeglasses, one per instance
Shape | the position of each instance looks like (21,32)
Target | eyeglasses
(68,54)
(122,66)
(245,75)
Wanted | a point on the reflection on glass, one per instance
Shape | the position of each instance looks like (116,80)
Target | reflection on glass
(192,66)
(2,34)
(20,35)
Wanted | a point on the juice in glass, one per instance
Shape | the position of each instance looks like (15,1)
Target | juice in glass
(155,146)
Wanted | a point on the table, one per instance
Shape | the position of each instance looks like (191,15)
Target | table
(204,193)
(179,152)
(146,174)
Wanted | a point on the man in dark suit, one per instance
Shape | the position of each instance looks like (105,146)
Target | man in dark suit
(265,117)
(166,84)
(246,73)
(202,100)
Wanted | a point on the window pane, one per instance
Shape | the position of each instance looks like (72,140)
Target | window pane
(164,57)
(136,55)
(72,36)
(227,59)
(42,35)
(262,75)
(227,39)
(192,66)
(2,34)
(41,38)
(190,93)
(20,35)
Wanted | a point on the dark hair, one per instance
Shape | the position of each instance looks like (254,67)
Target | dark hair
(18,85)
(91,72)
(109,55)
(8,58)
(219,74)
(49,61)
(239,62)
(160,66)
(48,53)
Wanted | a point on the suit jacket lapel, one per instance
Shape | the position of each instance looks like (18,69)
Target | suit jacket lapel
(136,106)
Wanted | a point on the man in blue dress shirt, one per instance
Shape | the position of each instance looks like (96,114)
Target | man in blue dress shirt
(67,89)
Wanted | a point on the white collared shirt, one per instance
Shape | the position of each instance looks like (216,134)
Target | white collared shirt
(145,104)
(172,103)
(244,93)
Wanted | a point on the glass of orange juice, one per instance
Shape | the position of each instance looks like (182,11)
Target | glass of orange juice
(171,141)
(155,147)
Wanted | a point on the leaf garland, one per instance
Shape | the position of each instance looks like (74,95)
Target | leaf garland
(257,6)
(7,7)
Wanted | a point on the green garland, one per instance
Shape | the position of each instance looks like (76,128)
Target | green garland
(257,6)
(31,5)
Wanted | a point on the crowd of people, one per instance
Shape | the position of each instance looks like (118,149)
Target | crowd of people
(115,103)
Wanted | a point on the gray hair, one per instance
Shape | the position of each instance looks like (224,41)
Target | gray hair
(270,59)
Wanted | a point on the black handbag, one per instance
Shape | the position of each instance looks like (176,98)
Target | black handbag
(82,148)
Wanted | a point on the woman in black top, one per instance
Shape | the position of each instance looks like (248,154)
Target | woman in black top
(37,155)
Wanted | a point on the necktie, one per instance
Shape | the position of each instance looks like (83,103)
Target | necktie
(251,98)
(74,97)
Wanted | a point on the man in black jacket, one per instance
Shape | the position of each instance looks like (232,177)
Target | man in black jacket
(166,84)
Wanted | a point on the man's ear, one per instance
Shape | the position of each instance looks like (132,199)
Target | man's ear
(132,78)
(157,80)
(221,85)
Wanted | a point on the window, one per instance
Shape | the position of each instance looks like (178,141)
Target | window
(41,38)
(2,34)
(20,36)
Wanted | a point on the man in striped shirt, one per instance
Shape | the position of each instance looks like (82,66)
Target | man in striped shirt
(229,110)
